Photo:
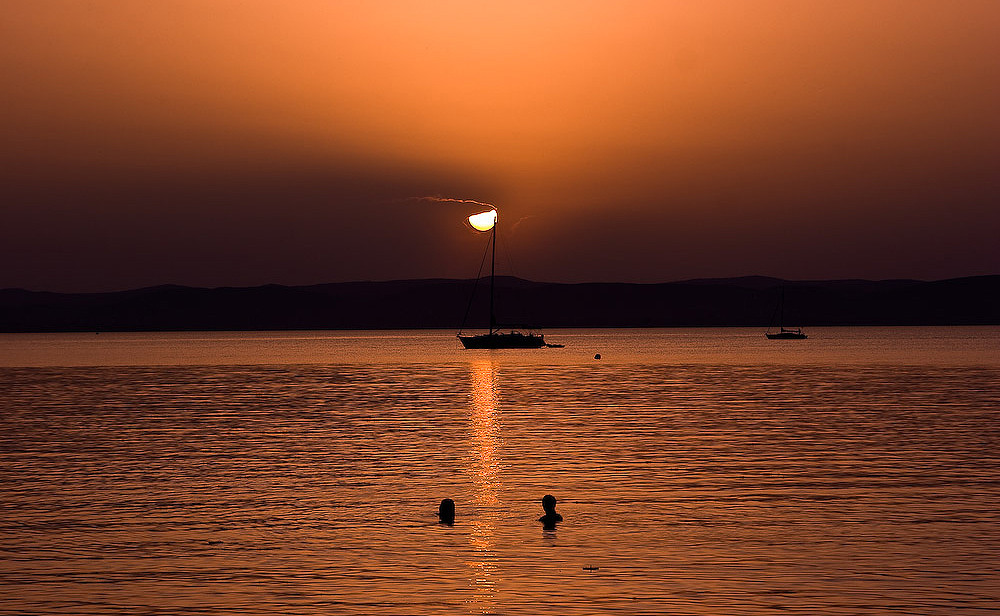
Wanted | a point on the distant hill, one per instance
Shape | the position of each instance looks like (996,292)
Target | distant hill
(442,303)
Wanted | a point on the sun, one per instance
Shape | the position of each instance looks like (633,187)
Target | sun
(483,221)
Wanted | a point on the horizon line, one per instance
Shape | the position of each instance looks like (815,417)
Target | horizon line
(702,279)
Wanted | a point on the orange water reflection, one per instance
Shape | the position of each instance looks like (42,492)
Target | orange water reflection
(485,471)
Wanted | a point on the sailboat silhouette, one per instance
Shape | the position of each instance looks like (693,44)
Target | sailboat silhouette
(784,333)
(495,338)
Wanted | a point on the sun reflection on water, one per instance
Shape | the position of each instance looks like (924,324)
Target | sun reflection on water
(484,468)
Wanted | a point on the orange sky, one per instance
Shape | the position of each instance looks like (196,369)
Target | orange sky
(217,143)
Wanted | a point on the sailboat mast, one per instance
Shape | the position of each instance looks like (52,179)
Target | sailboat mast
(781,309)
(493,265)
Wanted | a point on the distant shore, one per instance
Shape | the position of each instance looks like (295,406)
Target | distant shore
(442,303)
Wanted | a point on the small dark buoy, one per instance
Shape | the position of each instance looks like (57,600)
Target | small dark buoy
(590,568)
(598,356)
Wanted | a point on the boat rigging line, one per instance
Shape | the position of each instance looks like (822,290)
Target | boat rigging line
(475,285)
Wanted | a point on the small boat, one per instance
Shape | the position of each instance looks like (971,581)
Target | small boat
(495,338)
(784,333)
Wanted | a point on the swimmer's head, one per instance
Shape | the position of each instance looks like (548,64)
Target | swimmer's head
(446,511)
(549,503)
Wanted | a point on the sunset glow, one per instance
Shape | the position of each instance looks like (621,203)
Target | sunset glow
(147,143)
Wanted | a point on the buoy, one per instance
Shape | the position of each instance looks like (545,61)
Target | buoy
(598,356)
(590,568)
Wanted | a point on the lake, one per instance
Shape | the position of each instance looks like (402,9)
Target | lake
(699,471)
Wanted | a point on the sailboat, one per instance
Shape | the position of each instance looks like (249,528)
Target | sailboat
(497,339)
(784,333)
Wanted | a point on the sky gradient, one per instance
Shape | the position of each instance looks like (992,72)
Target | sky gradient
(242,143)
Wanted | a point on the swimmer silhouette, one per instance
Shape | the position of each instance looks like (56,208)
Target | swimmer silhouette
(551,517)
(446,511)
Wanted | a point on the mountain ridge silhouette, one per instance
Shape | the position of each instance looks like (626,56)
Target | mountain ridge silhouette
(441,303)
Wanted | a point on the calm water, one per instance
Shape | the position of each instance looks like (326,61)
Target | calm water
(701,472)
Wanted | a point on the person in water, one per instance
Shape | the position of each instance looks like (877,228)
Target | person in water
(446,511)
(551,517)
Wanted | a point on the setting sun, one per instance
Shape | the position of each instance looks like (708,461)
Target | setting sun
(483,221)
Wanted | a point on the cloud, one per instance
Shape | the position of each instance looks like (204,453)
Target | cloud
(452,200)
(517,224)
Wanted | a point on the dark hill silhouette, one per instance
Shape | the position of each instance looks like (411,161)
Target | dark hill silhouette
(441,303)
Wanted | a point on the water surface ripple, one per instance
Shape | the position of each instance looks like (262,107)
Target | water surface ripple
(695,484)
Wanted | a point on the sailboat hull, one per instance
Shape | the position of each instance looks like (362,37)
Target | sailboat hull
(511,340)
(787,336)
